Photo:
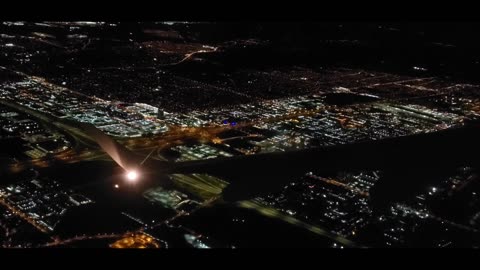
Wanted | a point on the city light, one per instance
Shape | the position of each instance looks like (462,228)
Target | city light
(330,142)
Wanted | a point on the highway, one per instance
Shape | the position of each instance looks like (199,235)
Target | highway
(273,213)
(58,241)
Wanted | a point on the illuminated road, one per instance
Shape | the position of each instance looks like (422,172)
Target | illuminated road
(58,242)
(75,132)
(272,213)
(189,56)
(342,185)
(24,216)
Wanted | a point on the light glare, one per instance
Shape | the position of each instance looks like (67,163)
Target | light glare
(132,175)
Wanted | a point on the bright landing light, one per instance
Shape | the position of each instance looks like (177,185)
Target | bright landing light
(132,175)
